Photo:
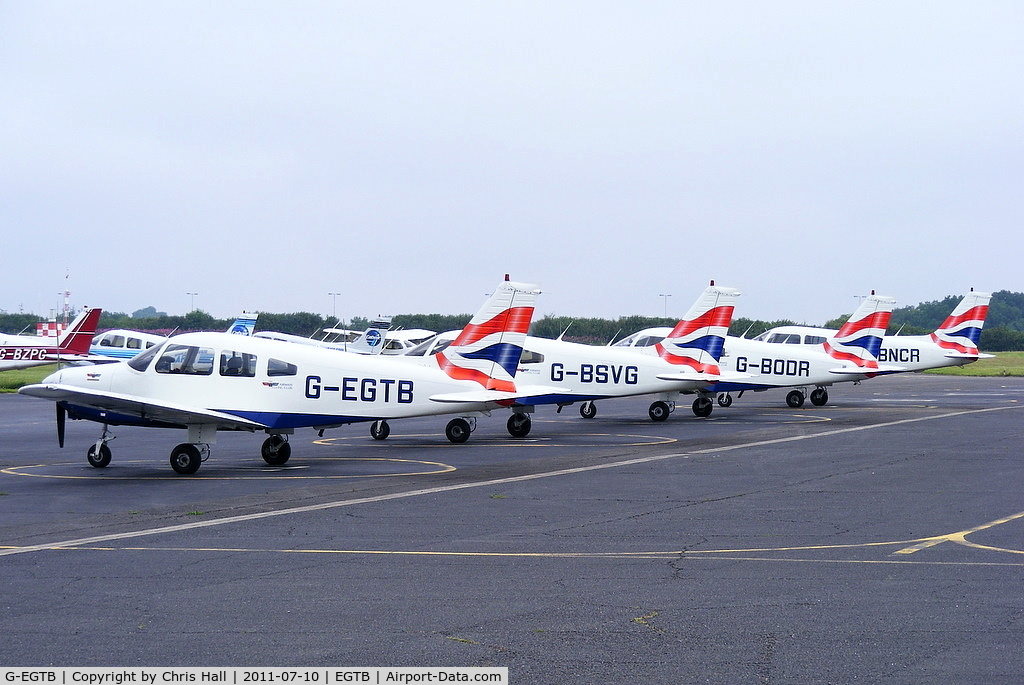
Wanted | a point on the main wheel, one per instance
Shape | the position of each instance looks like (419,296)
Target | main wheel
(658,411)
(276,450)
(795,399)
(588,410)
(724,399)
(519,425)
(380,430)
(185,458)
(703,406)
(457,431)
(98,459)
(819,397)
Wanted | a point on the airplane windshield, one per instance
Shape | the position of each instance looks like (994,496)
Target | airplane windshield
(185,359)
(140,362)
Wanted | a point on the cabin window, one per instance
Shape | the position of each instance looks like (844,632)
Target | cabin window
(276,367)
(531,357)
(134,344)
(814,339)
(237,364)
(189,360)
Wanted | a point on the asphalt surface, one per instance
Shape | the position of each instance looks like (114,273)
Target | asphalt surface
(877,539)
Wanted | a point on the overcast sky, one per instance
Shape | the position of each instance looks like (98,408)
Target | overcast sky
(408,154)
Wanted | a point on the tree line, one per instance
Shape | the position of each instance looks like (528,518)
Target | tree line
(1004,327)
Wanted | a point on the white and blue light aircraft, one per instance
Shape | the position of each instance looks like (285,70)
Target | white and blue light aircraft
(206,382)
(118,344)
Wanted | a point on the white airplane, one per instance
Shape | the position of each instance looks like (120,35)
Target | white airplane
(685,360)
(22,351)
(851,355)
(953,343)
(373,340)
(119,343)
(206,382)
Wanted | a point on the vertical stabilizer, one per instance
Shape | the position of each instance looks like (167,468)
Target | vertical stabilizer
(860,338)
(698,339)
(489,348)
(961,330)
(245,324)
(78,337)
(372,339)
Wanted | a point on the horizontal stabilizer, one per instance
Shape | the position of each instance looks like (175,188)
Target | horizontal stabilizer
(483,396)
(692,377)
(866,371)
(968,355)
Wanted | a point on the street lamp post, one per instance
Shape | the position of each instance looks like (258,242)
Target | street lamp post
(334,305)
(193,301)
(665,298)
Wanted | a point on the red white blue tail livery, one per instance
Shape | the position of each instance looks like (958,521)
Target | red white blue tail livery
(698,340)
(960,332)
(860,338)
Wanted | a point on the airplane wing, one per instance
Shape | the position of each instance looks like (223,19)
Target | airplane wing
(138,407)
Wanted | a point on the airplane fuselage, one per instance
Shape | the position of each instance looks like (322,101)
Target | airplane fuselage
(770,365)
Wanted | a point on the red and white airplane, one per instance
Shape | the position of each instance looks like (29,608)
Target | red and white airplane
(207,382)
(22,352)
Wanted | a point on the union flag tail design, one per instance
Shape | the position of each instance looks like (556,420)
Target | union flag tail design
(860,338)
(698,339)
(961,330)
(489,348)
(79,335)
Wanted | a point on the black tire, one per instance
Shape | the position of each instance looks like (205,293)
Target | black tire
(658,411)
(724,399)
(519,425)
(457,431)
(588,410)
(703,406)
(276,450)
(380,430)
(186,459)
(795,399)
(100,460)
(819,397)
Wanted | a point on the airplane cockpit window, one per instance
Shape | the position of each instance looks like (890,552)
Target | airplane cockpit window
(640,339)
(531,357)
(276,367)
(185,359)
(141,361)
(237,364)
(431,345)
(785,338)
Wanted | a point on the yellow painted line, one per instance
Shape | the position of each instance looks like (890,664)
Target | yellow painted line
(960,537)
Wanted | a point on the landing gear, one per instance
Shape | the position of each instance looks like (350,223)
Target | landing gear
(819,397)
(98,457)
(380,430)
(588,409)
(186,458)
(724,399)
(99,454)
(518,425)
(659,411)
(276,450)
(703,406)
(795,399)
(457,431)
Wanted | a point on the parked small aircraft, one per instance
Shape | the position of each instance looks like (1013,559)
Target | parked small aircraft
(22,351)
(953,343)
(206,382)
(684,360)
(371,341)
(855,347)
(118,343)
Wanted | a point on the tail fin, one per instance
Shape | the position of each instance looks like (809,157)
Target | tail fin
(961,330)
(78,337)
(245,324)
(860,338)
(698,339)
(372,339)
(489,348)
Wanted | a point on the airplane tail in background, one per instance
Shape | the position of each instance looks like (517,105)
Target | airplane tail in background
(78,337)
(245,324)
(698,339)
(860,338)
(489,348)
(372,340)
(961,331)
